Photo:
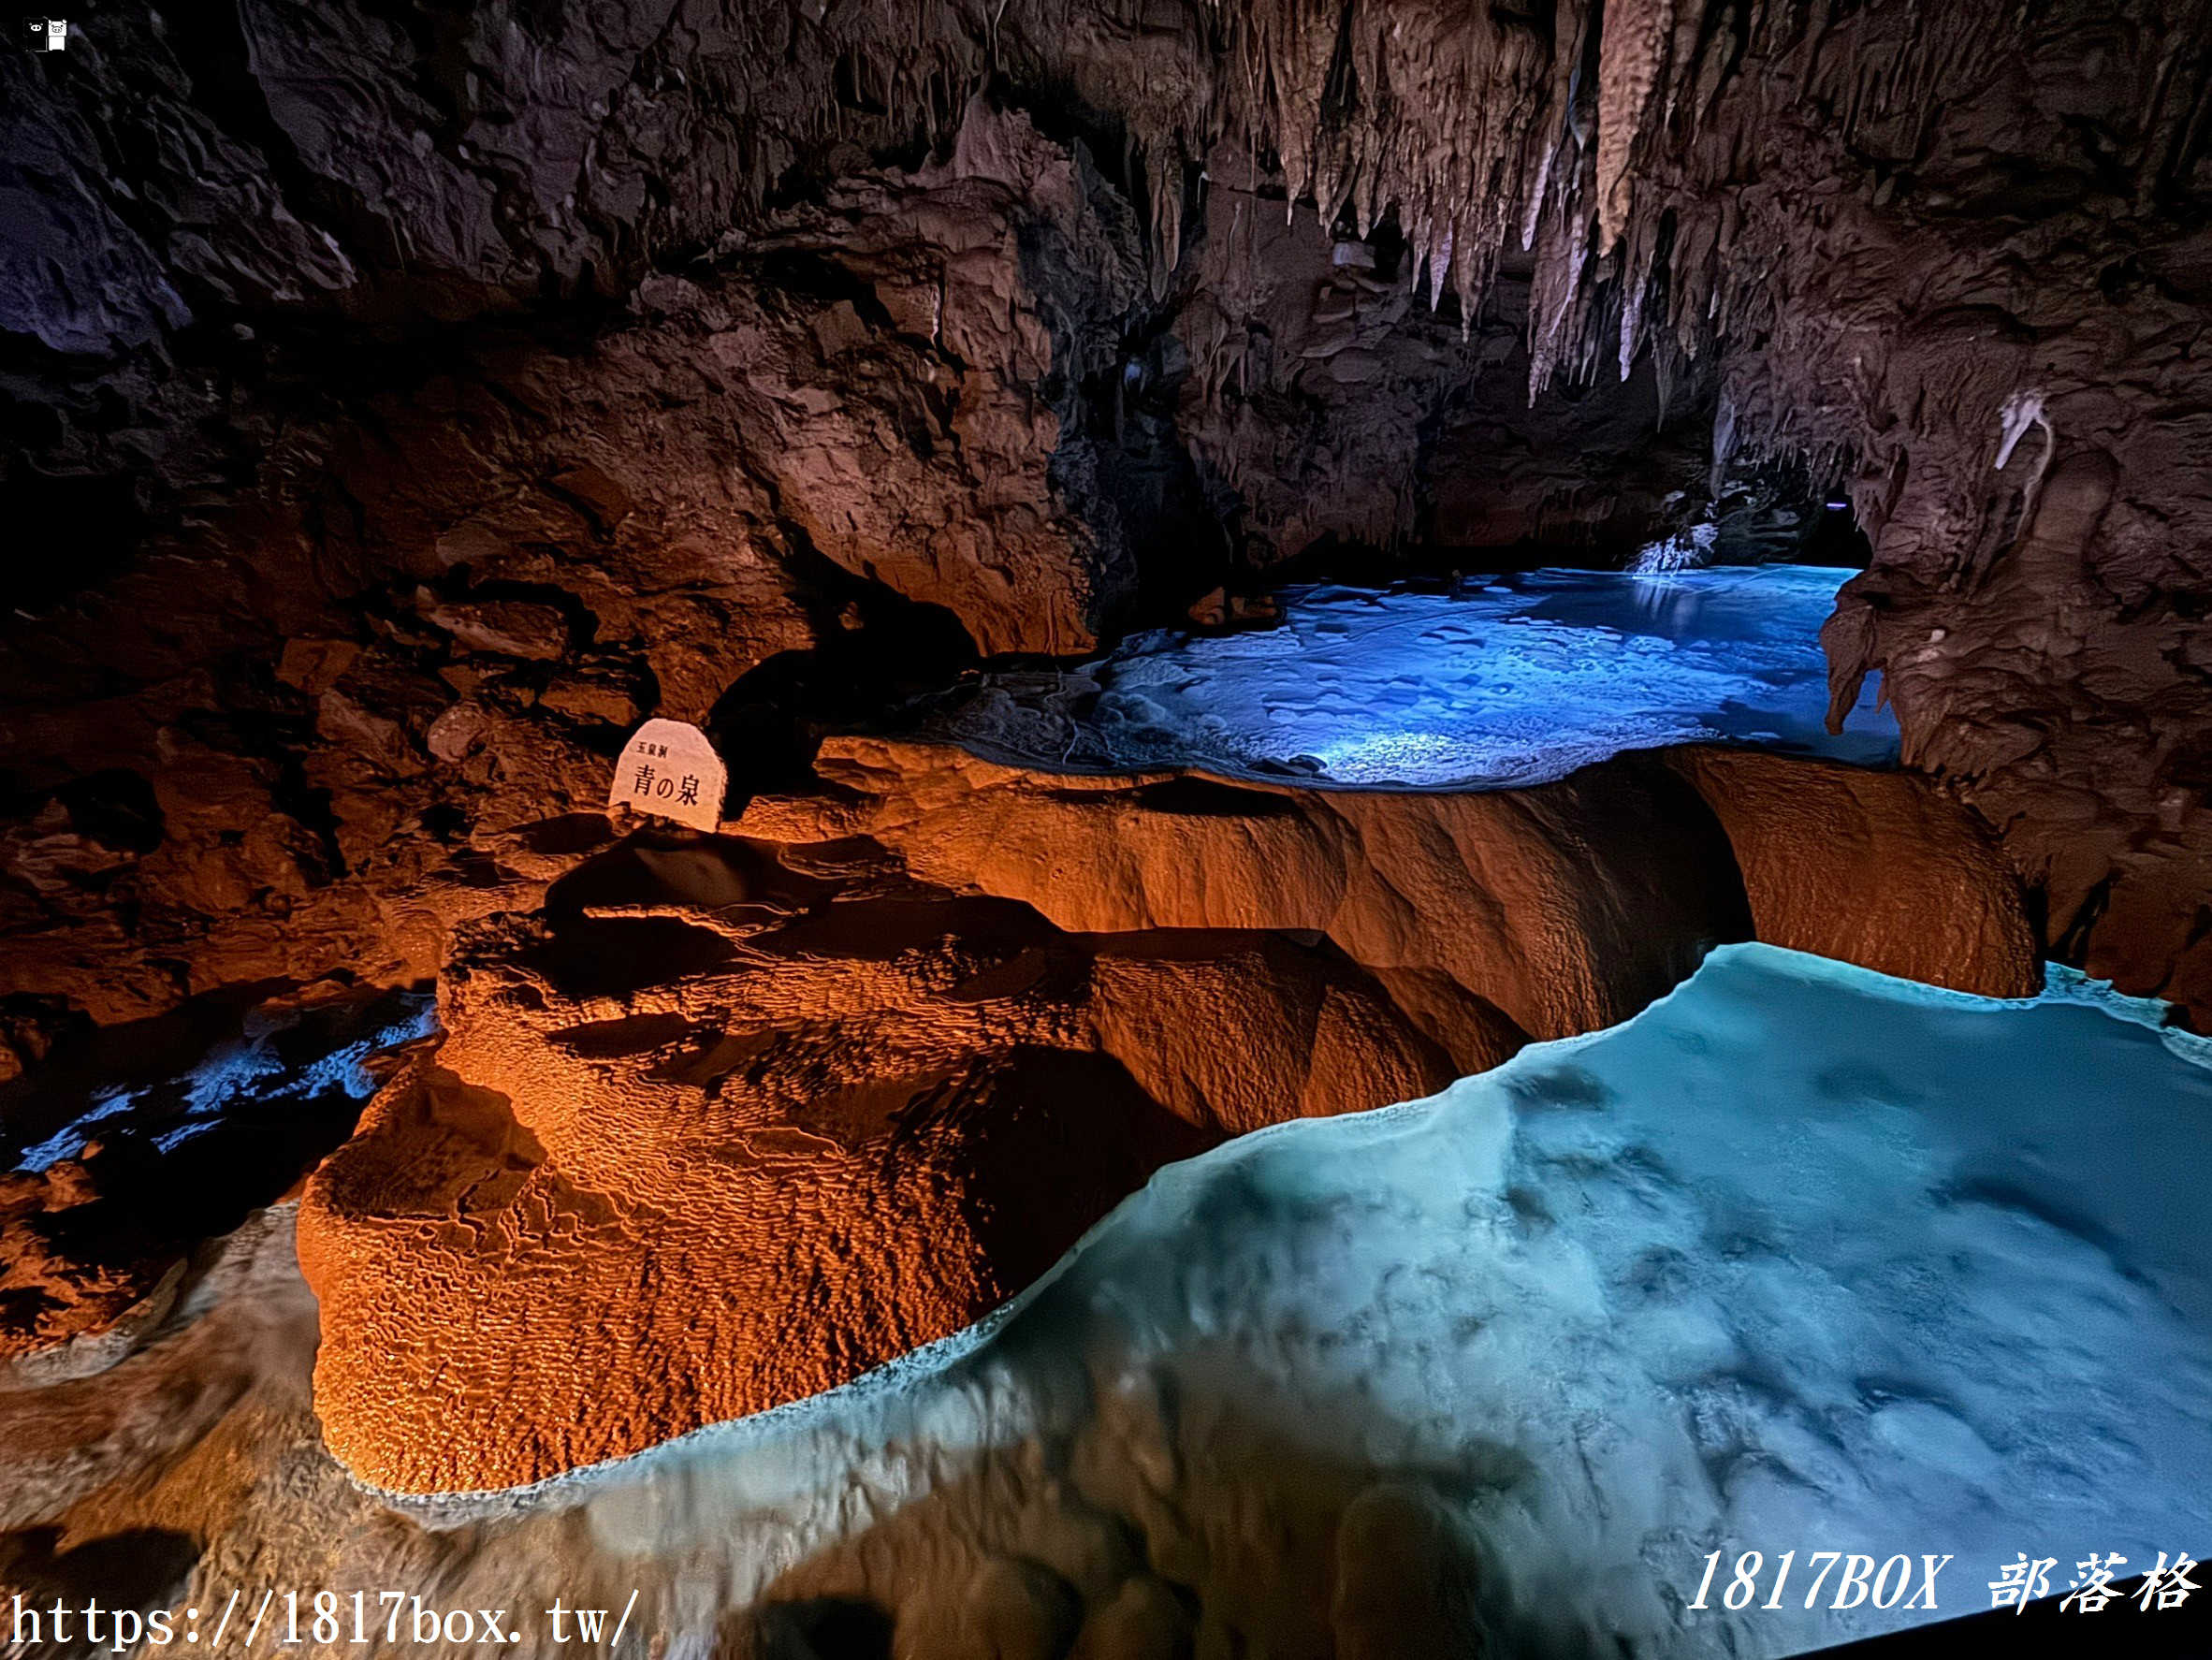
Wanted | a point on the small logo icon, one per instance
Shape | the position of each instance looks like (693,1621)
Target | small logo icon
(49,34)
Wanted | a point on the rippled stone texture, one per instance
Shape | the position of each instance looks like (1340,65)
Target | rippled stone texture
(731,1122)
(740,1133)
(1502,1398)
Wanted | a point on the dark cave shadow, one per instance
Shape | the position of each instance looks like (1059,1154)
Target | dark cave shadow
(824,1628)
(136,1570)
(876,650)
(172,1130)
(656,866)
(247,1085)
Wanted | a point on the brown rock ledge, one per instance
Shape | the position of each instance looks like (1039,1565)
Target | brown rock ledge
(728,1124)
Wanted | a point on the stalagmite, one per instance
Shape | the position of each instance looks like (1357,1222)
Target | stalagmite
(1169,682)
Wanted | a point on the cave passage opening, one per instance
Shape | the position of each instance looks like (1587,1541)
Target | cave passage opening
(1247,561)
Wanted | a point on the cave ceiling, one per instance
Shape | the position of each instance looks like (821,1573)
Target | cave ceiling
(403,399)
(1175,521)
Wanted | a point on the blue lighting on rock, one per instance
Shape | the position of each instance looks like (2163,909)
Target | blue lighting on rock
(1802,1258)
(277,1062)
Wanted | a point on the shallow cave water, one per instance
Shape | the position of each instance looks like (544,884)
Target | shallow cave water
(1488,683)
(1800,1252)
(1049,830)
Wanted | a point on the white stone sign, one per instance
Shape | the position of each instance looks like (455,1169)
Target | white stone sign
(670,770)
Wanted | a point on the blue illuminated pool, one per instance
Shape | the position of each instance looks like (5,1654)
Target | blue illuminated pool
(1512,681)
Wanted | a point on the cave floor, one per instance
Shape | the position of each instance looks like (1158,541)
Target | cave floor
(1797,1256)
(1801,1257)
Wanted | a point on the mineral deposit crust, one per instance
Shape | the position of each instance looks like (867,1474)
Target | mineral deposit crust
(726,1124)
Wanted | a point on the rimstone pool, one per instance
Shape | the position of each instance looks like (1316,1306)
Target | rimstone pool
(1487,684)
(1801,1258)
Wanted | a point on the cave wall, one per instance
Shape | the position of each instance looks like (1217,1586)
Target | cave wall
(2027,427)
(403,399)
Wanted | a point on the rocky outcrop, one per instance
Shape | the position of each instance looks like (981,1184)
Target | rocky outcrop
(720,1131)
(1877,868)
(605,362)
(1493,918)
(306,734)
(2022,426)
(730,1121)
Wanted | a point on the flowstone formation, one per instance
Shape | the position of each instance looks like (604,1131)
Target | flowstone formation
(1464,1379)
(731,1121)
(722,1131)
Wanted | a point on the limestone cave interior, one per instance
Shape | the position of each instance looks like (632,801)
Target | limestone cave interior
(1106,829)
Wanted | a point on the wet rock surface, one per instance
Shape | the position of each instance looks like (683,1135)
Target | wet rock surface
(197,1465)
(1307,1392)
(400,404)
(136,1143)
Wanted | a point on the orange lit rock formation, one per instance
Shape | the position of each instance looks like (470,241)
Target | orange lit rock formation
(731,1121)
(1877,868)
(690,1157)
(1493,918)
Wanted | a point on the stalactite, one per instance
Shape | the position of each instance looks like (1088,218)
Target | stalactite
(1481,136)
(1643,238)
(1632,58)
